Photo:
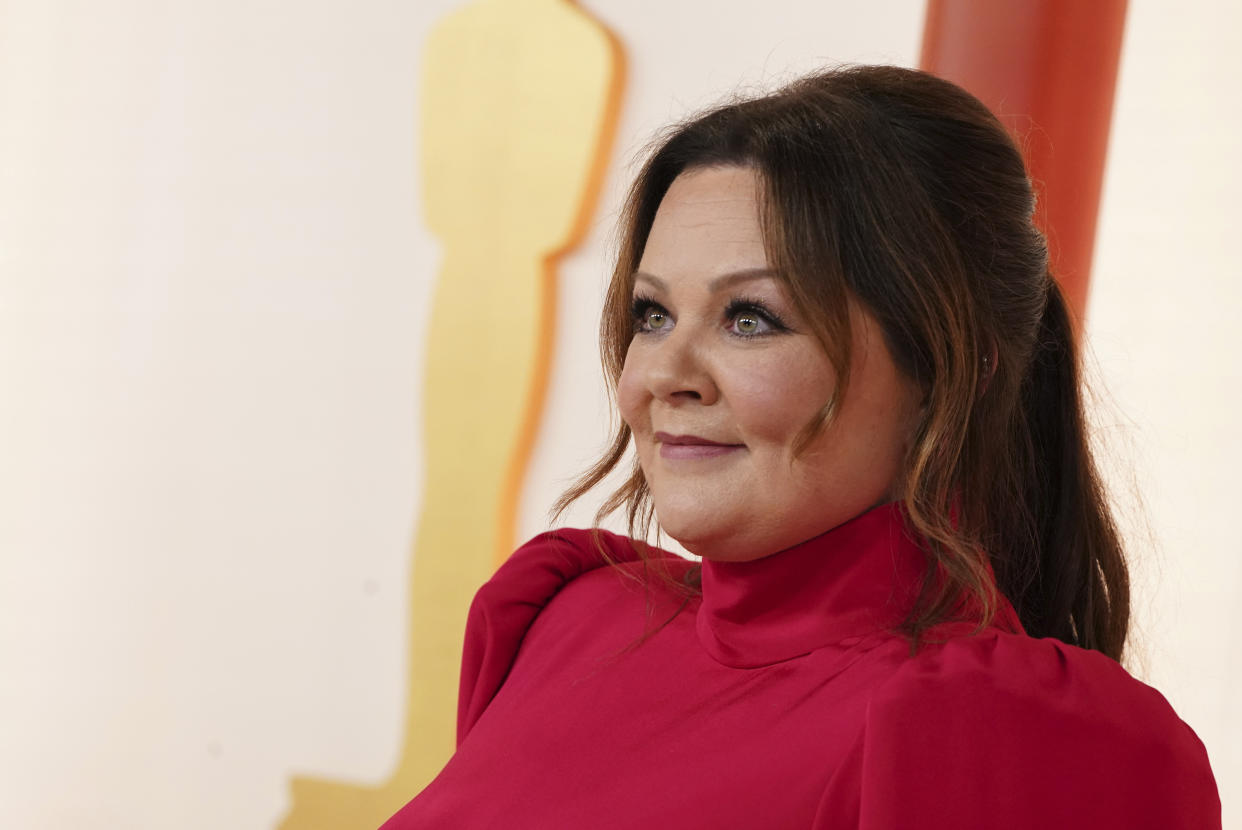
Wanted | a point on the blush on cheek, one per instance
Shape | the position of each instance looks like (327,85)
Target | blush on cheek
(779,409)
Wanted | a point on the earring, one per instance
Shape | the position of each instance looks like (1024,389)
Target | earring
(986,374)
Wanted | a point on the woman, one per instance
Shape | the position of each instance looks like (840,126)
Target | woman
(852,389)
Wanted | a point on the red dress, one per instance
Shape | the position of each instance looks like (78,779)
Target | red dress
(783,700)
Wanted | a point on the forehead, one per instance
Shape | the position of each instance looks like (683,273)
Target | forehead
(707,223)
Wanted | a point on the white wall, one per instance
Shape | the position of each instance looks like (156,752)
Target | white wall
(1162,323)
(213,285)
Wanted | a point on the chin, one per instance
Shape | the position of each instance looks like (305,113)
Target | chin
(694,533)
(711,540)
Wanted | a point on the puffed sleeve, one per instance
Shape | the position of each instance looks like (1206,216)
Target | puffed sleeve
(506,605)
(1006,731)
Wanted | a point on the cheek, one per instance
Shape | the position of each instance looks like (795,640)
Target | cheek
(631,395)
(776,400)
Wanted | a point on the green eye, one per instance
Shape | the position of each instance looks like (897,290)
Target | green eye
(750,318)
(649,316)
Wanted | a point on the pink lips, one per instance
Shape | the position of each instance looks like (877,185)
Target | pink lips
(692,446)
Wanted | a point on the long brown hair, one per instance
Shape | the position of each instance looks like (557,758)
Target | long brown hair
(903,191)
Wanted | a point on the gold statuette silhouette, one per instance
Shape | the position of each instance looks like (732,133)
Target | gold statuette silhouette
(519,104)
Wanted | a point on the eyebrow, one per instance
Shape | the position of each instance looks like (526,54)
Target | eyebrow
(716,283)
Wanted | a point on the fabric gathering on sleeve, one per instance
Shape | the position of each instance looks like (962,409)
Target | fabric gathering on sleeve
(1008,731)
(506,605)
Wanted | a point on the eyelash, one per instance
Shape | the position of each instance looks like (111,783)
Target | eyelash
(738,307)
(743,305)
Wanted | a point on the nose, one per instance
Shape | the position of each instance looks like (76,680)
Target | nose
(678,369)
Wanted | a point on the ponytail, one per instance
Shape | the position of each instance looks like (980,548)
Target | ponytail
(1074,585)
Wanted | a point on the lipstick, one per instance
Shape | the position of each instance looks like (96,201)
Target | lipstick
(692,446)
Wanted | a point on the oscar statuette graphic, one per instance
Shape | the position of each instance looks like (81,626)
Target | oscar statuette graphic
(518,105)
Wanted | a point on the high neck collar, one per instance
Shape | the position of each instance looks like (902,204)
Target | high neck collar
(857,579)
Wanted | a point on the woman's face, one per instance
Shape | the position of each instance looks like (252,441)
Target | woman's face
(723,374)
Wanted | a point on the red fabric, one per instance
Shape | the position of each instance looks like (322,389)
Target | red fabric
(782,699)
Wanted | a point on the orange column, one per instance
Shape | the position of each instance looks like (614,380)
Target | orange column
(1048,69)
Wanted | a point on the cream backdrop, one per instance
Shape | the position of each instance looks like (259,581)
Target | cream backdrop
(214,285)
